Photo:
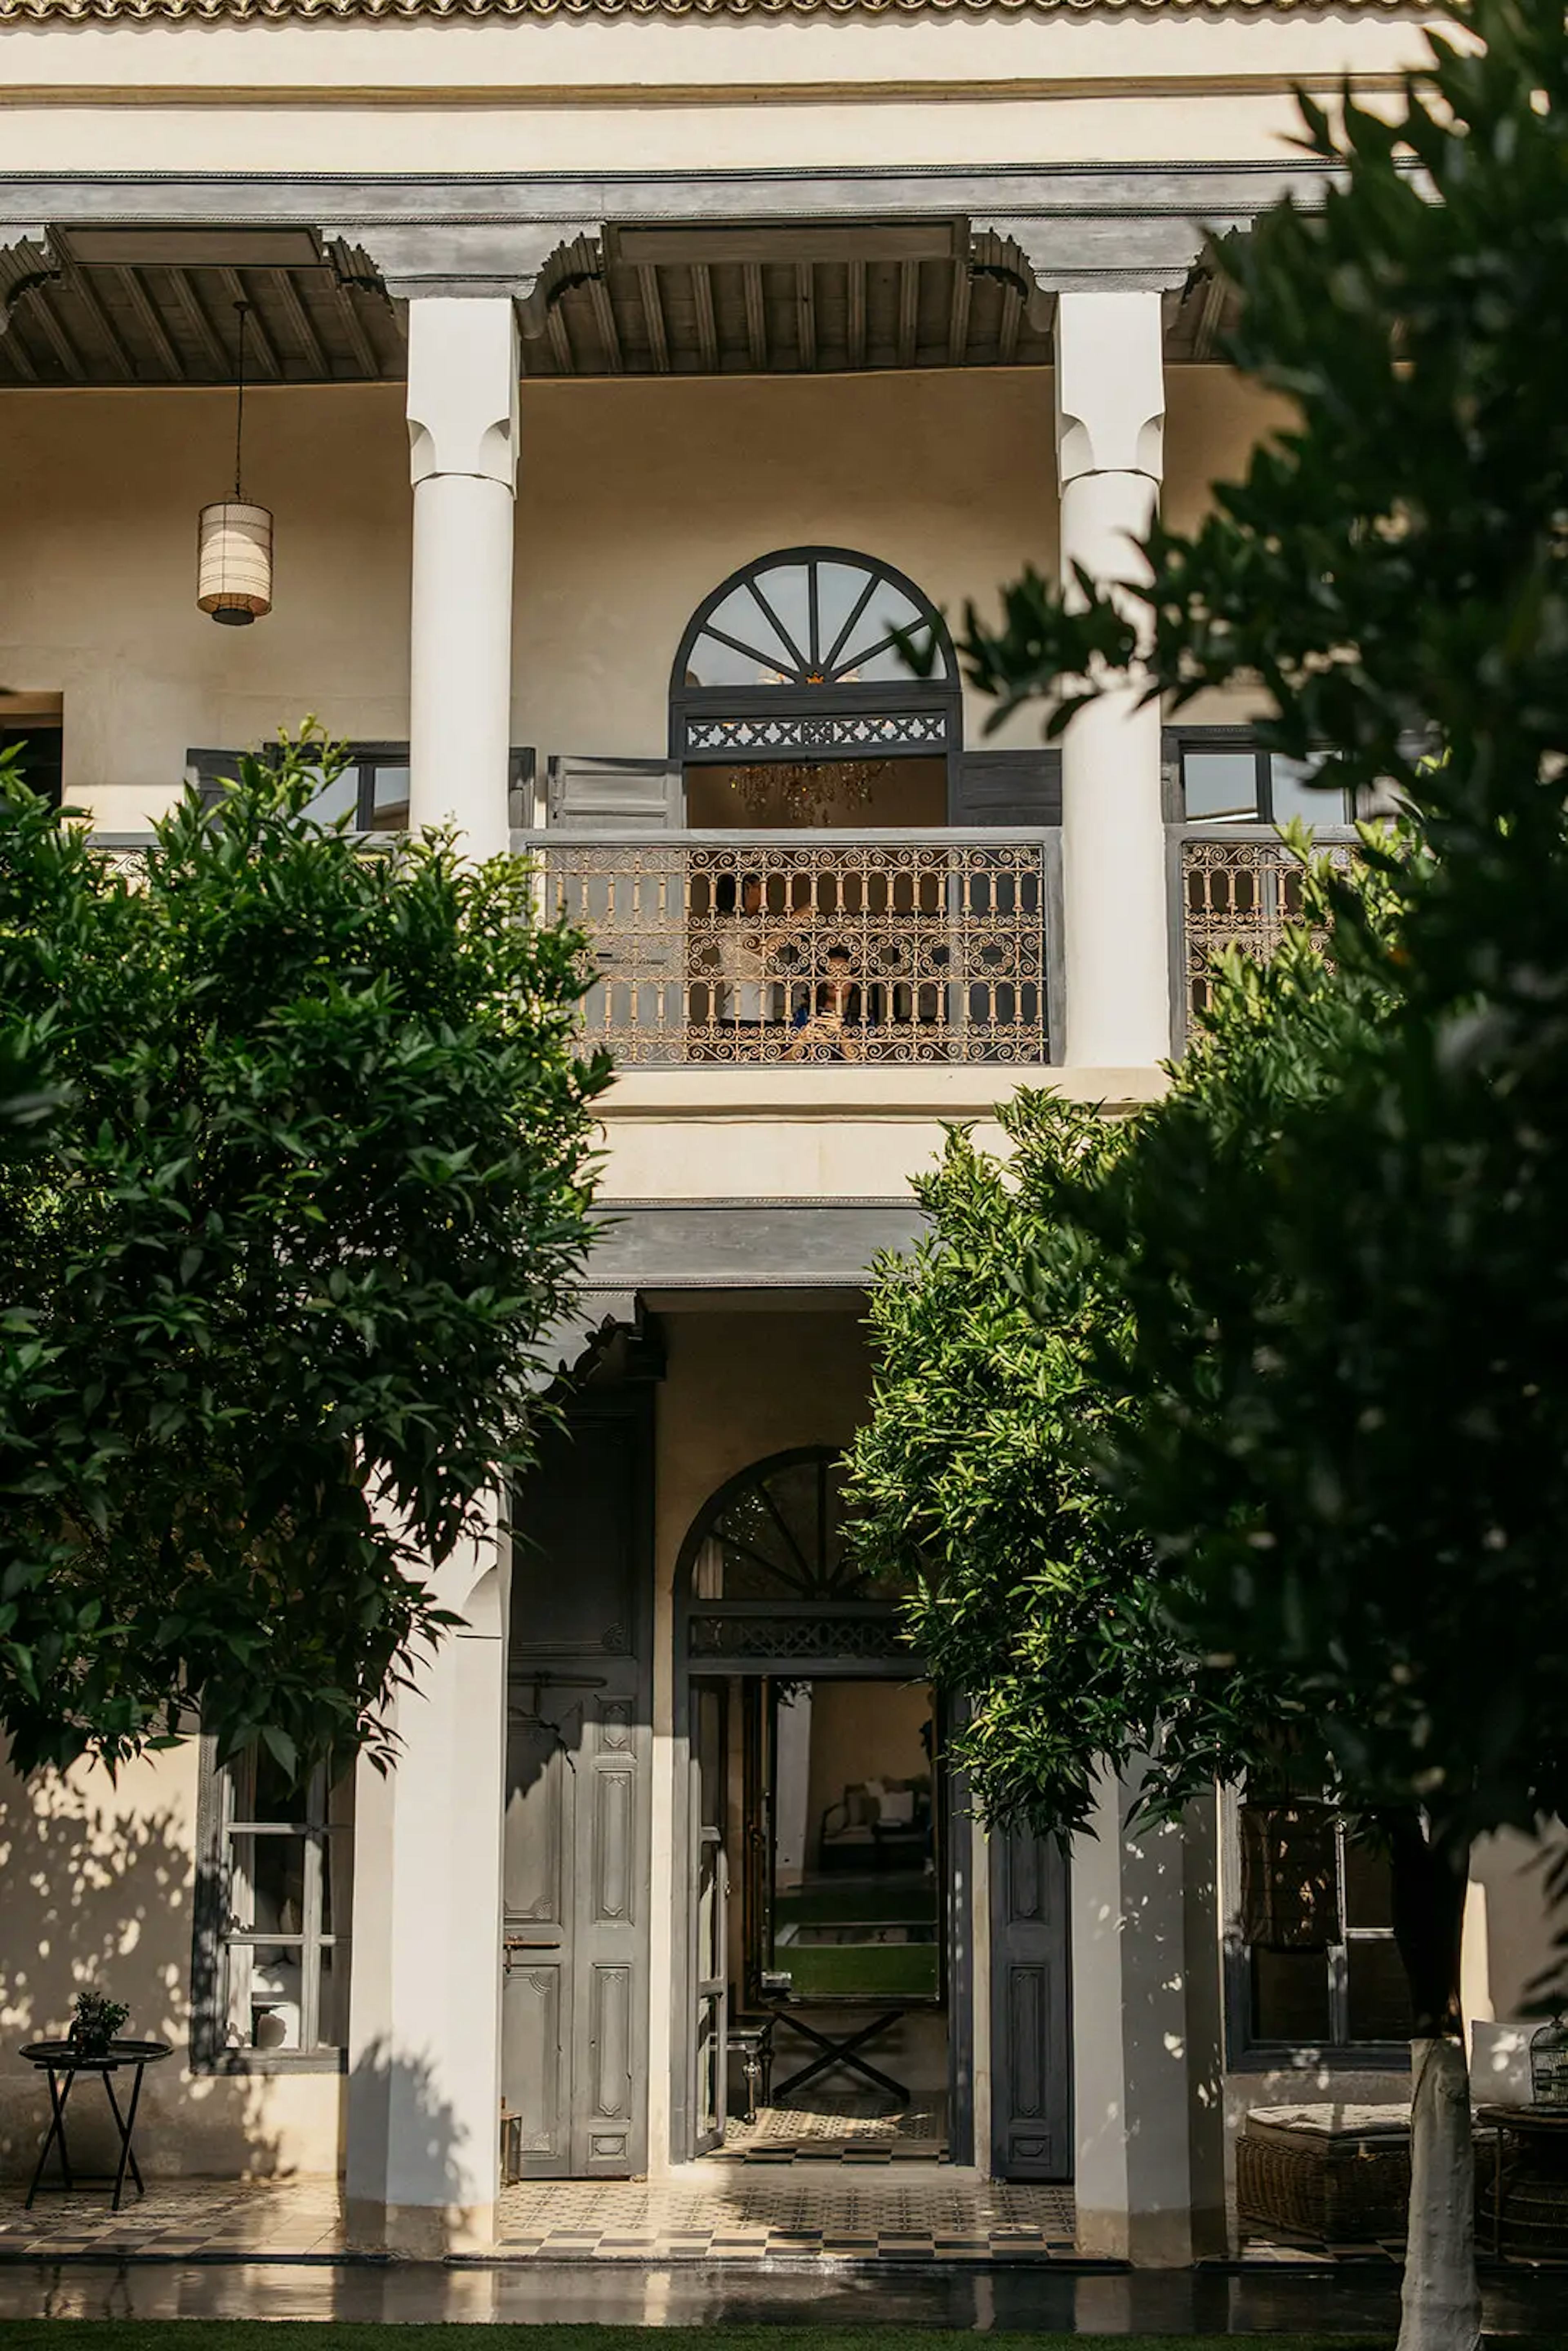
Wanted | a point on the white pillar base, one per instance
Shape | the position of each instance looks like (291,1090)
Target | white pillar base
(1149,2169)
(423,2130)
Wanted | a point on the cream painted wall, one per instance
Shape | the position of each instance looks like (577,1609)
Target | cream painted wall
(635,498)
(96,1877)
(667,94)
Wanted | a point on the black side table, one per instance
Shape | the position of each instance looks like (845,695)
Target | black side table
(62,2061)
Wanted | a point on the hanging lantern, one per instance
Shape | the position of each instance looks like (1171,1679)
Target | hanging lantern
(1549,2065)
(234,580)
(233,538)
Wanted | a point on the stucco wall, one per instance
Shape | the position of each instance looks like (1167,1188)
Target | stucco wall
(634,499)
(96,1880)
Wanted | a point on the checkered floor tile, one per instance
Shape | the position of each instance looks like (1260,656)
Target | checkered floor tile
(705,2213)
(710,2212)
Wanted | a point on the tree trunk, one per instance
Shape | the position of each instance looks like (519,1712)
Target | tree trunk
(1440,2304)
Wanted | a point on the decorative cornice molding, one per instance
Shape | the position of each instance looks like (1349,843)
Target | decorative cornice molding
(257,12)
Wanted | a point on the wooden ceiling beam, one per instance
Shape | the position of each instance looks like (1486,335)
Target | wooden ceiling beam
(355,334)
(301,325)
(756,317)
(152,325)
(653,313)
(604,320)
(908,311)
(707,332)
(201,330)
(958,315)
(806,314)
(103,325)
(1012,318)
(257,339)
(856,313)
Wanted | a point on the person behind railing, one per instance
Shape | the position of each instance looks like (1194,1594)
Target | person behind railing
(748,991)
(822,1028)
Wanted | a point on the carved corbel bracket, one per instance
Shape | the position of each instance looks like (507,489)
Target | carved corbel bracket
(26,262)
(533,261)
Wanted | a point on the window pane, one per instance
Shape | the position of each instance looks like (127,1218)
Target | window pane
(268,1885)
(271,1794)
(266,1981)
(889,666)
(1291,1997)
(389,798)
(1379,2001)
(1220,786)
(338,798)
(1368,1882)
(1291,789)
(788,589)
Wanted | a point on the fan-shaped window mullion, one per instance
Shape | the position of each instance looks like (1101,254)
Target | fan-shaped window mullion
(836,648)
(784,638)
(766,661)
(811,1572)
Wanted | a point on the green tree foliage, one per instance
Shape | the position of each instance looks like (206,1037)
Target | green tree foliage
(1342,1274)
(1010,1385)
(1355,1439)
(293,1178)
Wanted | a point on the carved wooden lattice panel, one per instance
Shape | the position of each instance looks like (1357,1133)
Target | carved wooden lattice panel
(771,951)
(1241,893)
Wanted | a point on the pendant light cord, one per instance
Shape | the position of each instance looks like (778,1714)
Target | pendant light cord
(244,310)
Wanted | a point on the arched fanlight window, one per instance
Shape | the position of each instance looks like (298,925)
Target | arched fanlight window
(768,1572)
(799,654)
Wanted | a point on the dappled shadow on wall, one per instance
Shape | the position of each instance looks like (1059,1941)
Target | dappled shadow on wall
(98,1894)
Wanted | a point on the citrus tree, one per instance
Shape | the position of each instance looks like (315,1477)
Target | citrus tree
(293,1176)
(1343,1277)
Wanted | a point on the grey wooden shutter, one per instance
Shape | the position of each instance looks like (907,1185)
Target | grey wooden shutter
(1008,788)
(522,768)
(212,772)
(613,795)
(633,904)
(574,2006)
(1031,2087)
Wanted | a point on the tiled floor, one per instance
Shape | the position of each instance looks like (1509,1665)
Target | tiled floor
(705,2213)
(276,2218)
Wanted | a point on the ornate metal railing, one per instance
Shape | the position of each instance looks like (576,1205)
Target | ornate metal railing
(1238,887)
(810,946)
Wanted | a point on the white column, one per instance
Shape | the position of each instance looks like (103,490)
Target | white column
(463,460)
(1110,424)
(423,2130)
(1149,2171)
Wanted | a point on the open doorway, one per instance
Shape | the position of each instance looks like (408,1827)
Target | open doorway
(828,1941)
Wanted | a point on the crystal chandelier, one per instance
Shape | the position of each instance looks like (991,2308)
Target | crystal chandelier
(805,790)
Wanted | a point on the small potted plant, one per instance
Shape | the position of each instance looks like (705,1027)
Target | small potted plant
(95,2020)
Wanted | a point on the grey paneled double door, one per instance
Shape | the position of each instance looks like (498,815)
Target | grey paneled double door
(574,2005)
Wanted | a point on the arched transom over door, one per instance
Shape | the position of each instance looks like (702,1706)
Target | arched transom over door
(770,1572)
(800,656)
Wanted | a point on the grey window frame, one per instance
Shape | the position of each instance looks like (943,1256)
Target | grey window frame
(210,767)
(1180,740)
(212,1938)
(1245,2052)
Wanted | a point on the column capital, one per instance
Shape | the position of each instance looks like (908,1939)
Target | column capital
(1109,385)
(462,371)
